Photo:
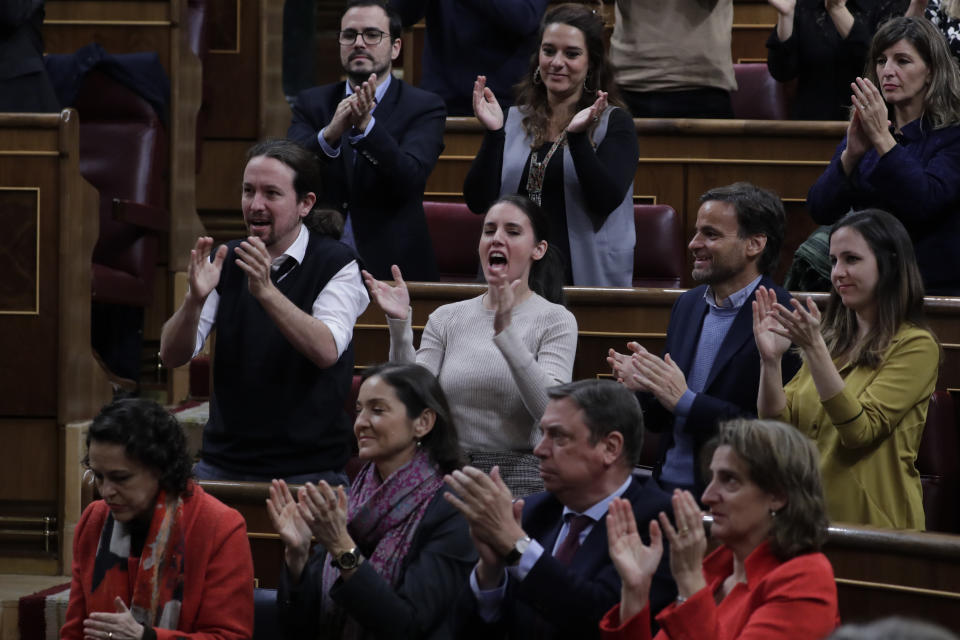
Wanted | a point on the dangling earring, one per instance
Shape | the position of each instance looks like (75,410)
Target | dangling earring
(536,76)
(773,513)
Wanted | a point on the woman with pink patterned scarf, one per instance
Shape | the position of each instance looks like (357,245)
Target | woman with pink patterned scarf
(392,558)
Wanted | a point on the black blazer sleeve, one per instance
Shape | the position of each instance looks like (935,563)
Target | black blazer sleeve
(402,164)
(568,601)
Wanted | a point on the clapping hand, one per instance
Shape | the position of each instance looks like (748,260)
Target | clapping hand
(585,117)
(767,330)
(688,543)
(254,259)
(783,7)
(202,274)
(394,300)
(485,105)
(871,109)
(285,517)
(364,100)
(502,296)
(324,509)
(660,376)
(800,325)
(624,367)
(634,561)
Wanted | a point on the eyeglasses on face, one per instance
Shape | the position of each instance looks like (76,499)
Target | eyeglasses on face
(370,36)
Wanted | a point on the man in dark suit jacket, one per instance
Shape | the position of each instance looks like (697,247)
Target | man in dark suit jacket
(379,139)
(710,370)
(24,85)
(544,569)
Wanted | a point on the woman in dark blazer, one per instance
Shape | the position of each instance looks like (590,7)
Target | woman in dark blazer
(391,559)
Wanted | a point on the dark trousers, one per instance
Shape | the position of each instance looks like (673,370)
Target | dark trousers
(696,103)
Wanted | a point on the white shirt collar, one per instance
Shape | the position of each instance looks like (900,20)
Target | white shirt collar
(296,250)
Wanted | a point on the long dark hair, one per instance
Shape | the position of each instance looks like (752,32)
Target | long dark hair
(531,96)
(899,292)
(546,274)
(418,389)
(150,435)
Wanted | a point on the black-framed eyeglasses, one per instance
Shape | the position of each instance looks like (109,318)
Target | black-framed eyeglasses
(370,36)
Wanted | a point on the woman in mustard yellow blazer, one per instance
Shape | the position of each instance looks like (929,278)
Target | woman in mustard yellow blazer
(870,366)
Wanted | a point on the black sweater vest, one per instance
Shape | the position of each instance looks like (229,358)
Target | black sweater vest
(273,411)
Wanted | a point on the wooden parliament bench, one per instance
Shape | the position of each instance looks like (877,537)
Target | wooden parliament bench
(610,317)
(878,572)
(682,158)
(49,377)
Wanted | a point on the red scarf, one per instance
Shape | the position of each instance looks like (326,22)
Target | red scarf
(151,585)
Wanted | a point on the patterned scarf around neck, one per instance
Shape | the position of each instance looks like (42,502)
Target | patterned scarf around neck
(158,583)
(382,518)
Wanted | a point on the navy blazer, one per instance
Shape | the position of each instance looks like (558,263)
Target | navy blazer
(434,571)
(555,602)
(731,387)
(380,180)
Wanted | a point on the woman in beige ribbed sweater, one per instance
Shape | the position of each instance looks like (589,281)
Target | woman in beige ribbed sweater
(495,355)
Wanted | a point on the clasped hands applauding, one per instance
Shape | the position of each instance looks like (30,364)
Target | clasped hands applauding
(644,371)
(636,562)
(320,511)
(488,111)
(502,296)
(354,111)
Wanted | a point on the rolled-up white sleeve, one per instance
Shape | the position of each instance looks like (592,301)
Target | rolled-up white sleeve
(340,303)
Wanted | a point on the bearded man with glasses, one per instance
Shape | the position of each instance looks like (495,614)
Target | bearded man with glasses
(378,139)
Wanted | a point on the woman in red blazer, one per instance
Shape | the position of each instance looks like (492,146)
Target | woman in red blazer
(767,580)
(156,558)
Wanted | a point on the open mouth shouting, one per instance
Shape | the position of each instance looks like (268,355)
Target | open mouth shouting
(259,226)
(497,262)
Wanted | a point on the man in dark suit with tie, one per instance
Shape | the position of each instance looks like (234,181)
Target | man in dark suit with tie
(544,569)
(379,139)
(710,369)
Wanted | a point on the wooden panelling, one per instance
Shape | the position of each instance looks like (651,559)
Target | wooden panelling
(30,470)
(232,70)
(242,73)
(19,254)
(879,573)
(129,26)
(49,376)
(608,318)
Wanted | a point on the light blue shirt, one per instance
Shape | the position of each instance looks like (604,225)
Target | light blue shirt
(678,467)
(334,152)
(488,602)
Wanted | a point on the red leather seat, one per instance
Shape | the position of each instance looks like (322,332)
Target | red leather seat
(123,153)
(938,461)
(658,257)
(455,233)
(758,95)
